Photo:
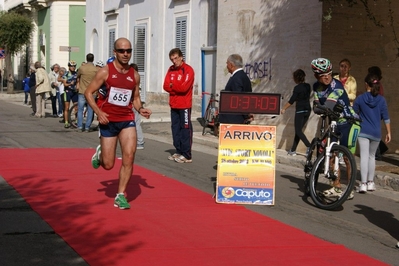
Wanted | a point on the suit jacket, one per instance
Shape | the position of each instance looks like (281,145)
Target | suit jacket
(239,82)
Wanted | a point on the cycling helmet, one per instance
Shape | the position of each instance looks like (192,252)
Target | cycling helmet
(111,59)
(100,63)
(321,66)
(71,63)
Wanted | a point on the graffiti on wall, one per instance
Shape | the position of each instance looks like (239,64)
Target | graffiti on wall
(259,70)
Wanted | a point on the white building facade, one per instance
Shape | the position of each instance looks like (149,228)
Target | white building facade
(154,27)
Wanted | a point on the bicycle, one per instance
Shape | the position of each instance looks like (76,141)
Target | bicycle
(210,118)
(329,164)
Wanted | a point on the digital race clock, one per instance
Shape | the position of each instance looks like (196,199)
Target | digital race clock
(249,103)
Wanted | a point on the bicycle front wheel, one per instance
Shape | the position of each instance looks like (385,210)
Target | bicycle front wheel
(329,189)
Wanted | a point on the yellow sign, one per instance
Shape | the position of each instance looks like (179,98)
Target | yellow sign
(246,164)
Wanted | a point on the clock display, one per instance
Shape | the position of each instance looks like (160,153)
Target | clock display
(249,103)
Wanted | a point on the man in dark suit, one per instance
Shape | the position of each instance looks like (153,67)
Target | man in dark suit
(238,82)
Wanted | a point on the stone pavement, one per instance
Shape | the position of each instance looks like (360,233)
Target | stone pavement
(387,170)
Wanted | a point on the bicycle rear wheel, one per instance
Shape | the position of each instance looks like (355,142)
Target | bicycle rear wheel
(206,120)
(73,115)
(329,191)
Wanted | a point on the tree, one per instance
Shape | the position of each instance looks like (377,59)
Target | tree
(15,32)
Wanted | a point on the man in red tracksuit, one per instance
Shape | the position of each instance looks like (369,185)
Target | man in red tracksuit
(178,83)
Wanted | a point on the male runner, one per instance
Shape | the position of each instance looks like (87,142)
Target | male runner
(115,115)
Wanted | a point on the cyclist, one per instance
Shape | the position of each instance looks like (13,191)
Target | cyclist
(330,92)
(70,90)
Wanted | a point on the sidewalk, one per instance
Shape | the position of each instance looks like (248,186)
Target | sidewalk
(387,170)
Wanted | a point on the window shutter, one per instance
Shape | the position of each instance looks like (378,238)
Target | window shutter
(111,40)
(139,56)
(181,34)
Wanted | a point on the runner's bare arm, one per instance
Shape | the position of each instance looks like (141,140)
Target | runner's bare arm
(136,99)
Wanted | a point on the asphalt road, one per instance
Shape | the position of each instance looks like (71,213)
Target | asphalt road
(368,224)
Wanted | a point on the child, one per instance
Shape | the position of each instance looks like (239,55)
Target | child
(25,83)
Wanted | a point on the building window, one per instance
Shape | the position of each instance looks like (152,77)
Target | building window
(181,34)
(139,51)
(139,56)
(111,40)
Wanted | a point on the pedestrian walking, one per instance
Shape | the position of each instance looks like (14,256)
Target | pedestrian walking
(372,108)
(300,96)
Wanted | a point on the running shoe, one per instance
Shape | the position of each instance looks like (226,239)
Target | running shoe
(370,186)
(363,188)
(183,159)
(121,202)
(292,153)
(67,125)
(95,160)
(173,156)
(140,147)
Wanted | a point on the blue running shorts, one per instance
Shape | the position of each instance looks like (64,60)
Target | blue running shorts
(112,129)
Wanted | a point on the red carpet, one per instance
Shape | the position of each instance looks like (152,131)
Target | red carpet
(169,224)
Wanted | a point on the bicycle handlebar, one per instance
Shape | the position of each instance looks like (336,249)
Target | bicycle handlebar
(335,115)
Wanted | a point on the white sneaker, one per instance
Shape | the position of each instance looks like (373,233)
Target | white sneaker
(140,147)
(370,186)
(363,188)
